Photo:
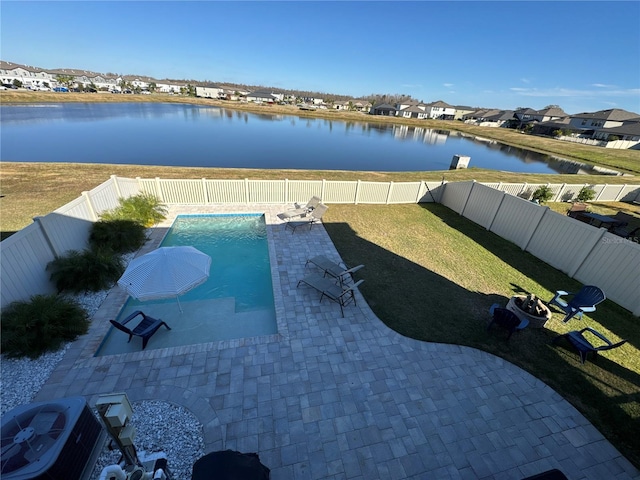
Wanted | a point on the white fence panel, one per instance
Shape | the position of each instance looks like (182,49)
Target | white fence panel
(563,242)
(514,189)
(25,255)
(128,187)
(148,185)
(431,192)
(373,192)
(226,191)
(455,195)
(405,192)
(65,233)
(301,191)
(266,191)
(104,197)
(614,265)
(182,192)
(482,205)
(516,219)
(629,193)
(339,192)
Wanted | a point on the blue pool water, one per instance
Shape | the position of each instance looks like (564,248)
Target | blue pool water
(235,302)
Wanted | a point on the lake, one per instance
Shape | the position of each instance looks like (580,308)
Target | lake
(200,136)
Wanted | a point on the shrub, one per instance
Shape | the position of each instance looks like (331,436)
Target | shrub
(42,324)
(585,194)
(542,194)
(144,208)
(121,236)
(89,270)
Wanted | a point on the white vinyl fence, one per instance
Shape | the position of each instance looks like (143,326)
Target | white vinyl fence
(589,254)
(25,254)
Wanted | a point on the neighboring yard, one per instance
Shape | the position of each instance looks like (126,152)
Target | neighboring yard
(432,275)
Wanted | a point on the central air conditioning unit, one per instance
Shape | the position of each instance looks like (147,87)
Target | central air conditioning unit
(59,439)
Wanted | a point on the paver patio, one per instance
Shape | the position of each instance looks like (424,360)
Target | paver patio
(346,398)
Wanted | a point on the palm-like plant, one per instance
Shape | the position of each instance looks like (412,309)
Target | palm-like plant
(86,271)
(144,208)
(42,324)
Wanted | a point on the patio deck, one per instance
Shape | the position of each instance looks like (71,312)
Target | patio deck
(348,398)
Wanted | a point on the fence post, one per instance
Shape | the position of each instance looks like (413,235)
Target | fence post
(286,191)
(246,191)
(45,234)
(357,193)
(468,197)
(92,210)
(205,193)
(562,189)
(159,190)
(322,193)
(114,179)
(535,229)
(419,196)
(523,189)
(620,192)
(587,251)
(389,192)
(504,194)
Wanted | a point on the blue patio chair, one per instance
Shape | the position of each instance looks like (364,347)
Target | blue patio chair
(506,319)
(584,301)
(145,329)
(584,347)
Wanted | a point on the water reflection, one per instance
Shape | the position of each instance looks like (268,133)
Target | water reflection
(194,135)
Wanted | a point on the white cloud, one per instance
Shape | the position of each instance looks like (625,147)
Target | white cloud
(525,80)
(602,85)
(569,92)
(448,85)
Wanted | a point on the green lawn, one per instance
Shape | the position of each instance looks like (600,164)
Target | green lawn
(432,275)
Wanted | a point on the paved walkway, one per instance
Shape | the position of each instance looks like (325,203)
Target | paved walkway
(347,398)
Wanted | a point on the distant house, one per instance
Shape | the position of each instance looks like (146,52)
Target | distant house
(614,117)
(262,97)
(529,115)
(412,110)
(629,131)
(209,92)
(461,111)
(383,109)
(440,110)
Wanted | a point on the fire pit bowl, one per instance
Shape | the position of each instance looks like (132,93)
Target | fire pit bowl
(531,308)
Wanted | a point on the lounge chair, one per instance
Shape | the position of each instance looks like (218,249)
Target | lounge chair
(300,210)
(314,216)
(584,347)
(577,208)
(145,329)
(584,301)
(506,319)
(338,293)
(333,269)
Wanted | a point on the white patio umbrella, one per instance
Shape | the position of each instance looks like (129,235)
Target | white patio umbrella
(165,272)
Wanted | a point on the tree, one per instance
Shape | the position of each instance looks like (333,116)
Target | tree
(17,83)
(65,80)
(153,87)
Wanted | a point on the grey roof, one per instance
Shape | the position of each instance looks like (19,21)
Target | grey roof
(627,128)
(552,112)
(500,115)
(613,114)
(439,103)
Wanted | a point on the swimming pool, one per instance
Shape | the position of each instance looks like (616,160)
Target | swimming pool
(235,302)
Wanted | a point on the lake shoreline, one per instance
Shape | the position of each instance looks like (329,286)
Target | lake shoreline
(626,161)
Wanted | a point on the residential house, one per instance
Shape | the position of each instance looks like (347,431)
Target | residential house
(412,109)
(383,109)
(440,111)
(529,115)
(489,117)
(629,131)
(210,92)
(594,121)
(461,111)
(262,97)
(29,77)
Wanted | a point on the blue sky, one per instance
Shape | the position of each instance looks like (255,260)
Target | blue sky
(583,56)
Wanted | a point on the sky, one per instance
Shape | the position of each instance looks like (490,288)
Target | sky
(582,56)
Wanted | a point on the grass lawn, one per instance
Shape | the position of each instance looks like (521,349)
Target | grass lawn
(432,275)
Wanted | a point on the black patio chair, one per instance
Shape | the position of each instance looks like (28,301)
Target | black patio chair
(145,329)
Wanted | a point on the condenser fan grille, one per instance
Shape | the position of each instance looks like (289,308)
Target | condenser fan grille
(27,437)
(49,440)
